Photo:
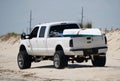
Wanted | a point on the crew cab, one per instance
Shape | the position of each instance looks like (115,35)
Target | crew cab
(62,42)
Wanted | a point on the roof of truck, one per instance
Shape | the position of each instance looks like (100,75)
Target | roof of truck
(57,23)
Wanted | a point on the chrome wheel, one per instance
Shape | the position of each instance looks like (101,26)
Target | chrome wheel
(60,60)
(24,60)
(20,60)
(56,60)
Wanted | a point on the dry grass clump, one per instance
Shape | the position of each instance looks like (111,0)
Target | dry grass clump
(87,25)
(8,36)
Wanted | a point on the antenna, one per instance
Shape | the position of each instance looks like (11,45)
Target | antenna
(30,21)
(82,16)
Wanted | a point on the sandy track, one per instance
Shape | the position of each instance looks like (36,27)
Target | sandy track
(44,71)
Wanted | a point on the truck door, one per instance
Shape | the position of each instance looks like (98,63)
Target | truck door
(41,41)
(33,40)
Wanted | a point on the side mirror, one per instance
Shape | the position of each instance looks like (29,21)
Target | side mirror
(24,36)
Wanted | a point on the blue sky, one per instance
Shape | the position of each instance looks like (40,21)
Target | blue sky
(14,14)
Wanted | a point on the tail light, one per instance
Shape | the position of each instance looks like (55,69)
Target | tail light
(105,40)
(71,43)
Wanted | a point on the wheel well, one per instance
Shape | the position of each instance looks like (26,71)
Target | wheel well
(22,48)
(58,47)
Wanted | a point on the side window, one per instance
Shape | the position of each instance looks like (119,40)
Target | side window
(34,32)
(42,31)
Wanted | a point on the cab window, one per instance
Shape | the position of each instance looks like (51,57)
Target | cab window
(42,31)
(34,33)
(57,30)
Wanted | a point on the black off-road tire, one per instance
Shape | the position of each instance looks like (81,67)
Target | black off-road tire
(60,60)
(99,61)
(24,60)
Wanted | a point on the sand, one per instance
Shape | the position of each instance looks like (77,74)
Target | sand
(45,71)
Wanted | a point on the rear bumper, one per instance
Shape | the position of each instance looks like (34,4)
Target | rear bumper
(88,51)
(88,48)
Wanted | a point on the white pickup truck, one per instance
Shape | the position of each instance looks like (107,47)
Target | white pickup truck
(62,42)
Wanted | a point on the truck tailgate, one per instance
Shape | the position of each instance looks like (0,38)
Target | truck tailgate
(86,42)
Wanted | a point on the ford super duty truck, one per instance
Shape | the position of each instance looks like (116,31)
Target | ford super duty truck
(62,42)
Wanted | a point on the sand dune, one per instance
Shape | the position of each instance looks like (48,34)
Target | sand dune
(44,71)
(114,44)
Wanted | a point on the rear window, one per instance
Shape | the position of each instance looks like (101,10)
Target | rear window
(57,30)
